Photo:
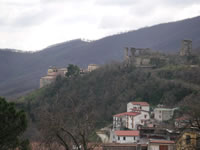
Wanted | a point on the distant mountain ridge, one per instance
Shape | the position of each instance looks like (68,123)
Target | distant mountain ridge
(20,72)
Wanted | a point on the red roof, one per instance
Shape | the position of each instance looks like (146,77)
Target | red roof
(127,113)
(140,103)
(162,141)
(127,133)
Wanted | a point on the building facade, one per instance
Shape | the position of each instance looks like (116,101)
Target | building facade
(92,67)
(126,136)
(188,140)
(163,114)
(52,73)
(161,145)
(135,106)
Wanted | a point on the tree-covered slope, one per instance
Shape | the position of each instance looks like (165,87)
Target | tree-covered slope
(109,88)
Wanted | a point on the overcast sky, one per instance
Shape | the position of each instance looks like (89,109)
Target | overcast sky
(36,24)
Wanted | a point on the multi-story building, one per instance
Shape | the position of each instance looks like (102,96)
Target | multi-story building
(138,106)
(163,114)
(129,120)
(137,114)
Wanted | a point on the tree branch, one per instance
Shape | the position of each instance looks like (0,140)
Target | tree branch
(65,144)
(73,138)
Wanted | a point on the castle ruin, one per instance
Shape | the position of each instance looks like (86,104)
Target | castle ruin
(137,56)
(186,48)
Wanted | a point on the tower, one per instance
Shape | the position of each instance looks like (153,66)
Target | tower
(186,48)
(126,54)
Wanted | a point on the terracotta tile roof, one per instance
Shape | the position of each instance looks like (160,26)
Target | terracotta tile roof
(140,103)
(127,133)
(162,141)
(127,114)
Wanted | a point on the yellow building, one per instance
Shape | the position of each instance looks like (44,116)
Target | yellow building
(188,140)
(92,67)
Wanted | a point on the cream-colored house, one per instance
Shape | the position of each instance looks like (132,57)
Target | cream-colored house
(126,136)
(92,67)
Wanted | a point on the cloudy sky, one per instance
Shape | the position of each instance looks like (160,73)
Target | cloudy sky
(36,24)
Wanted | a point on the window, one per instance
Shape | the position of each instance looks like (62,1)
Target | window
(118,137)
(145,116)
(159,116)
(140,107)
(124,138)
(134,138)
(141,121)
(188,139)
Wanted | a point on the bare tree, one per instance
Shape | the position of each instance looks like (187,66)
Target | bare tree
(68,124)
(191,105)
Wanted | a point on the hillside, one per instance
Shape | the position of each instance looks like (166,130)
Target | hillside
(107,90)
(20,72)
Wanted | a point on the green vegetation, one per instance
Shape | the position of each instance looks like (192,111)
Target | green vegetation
(109,89)
(13,123)
(73,70)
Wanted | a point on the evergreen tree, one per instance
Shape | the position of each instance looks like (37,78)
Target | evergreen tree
(12,125)
(72,70)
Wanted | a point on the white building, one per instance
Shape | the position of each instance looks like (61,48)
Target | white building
(125,120)
(137,114)
(135,106)
(163,114)
(129,120)
(126,136)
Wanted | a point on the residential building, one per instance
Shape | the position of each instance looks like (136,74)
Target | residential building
(163,114)
(126,136)
(135,106)
(189,140)
(155,144)
(128,120)
(92,67)
(182,122)
(137,114)
(124,146)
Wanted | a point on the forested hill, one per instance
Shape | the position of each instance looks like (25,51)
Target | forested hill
(20,72)
(108,89)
